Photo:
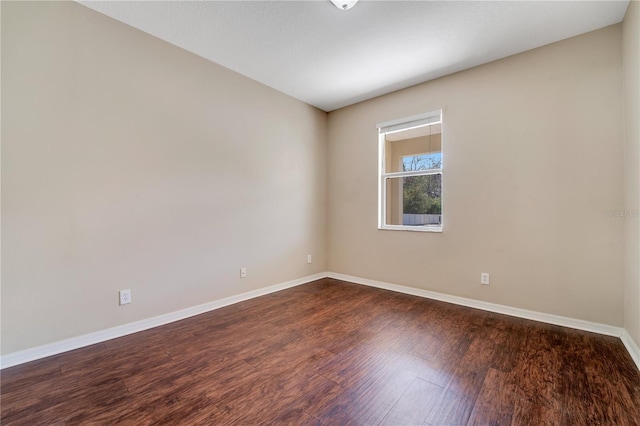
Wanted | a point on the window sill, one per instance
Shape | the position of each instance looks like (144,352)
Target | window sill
(411,228)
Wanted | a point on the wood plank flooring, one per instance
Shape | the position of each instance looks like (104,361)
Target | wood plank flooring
(334,353)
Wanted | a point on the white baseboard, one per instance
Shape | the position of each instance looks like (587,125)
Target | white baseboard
(55,348)
(594,327)
(631,346)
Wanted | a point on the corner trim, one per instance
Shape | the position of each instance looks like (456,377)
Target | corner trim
(578,324)
(61,346)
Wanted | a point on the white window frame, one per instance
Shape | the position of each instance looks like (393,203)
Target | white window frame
(428,119)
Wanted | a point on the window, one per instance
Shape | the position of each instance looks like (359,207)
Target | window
(410,162)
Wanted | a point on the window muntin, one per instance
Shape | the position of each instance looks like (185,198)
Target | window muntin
(410,189)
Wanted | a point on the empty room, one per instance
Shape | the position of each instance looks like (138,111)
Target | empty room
(320,212)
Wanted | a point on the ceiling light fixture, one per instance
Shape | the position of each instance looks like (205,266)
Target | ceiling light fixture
(344,4)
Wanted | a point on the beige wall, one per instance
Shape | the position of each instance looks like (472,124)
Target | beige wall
(631,62)
(130,163)
(534,155)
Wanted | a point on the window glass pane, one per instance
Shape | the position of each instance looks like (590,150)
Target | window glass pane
(414,200)
(414,149)
(422,162)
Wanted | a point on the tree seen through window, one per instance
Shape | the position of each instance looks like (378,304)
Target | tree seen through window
(422,194)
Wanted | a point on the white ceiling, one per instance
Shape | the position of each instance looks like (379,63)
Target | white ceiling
(331,58)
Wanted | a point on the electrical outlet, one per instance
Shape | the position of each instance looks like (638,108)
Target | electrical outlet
(308,258)
(484,278)
(125,297)
(243,272)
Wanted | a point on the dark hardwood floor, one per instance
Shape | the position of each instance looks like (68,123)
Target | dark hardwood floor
(334,353)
